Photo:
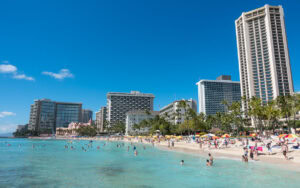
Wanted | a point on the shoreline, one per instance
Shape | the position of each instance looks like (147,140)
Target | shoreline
(231,153)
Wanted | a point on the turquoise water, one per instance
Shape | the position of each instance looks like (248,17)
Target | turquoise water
(49,164)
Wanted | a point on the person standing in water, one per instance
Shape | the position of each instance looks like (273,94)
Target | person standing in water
(135,152)
(181,162)
(211,159)
(208,163)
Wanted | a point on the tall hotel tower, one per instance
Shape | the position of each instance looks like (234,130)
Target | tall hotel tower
(264,61)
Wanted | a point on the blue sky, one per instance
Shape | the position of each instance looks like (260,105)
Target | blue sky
(77,51)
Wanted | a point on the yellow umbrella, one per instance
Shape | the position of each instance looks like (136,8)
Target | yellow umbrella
(225,136)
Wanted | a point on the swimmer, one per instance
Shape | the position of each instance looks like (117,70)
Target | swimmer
(128,148)
(134,148)
(182,162)
(144,147)
(208,163)
(135,153)
(98,147)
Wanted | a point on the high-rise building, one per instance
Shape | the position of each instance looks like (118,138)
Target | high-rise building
(211,94)
(136,117)
(264,61)
(118,104)
(101,116)
(47,115)
(86,115)
(175,111)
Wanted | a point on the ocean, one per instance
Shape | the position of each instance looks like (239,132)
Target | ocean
(47,163)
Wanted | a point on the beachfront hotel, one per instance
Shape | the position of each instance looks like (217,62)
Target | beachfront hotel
(47,115)
(136,117)
(174,112)
(118,104)
(101,116)
(86,115)
(264,62)
(211,94)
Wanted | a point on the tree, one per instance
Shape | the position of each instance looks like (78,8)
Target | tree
(284,106)
(87,131)
(256,110)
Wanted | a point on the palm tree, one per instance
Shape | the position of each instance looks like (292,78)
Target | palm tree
(271,113)
(256,110)
(294,103)
(284,106)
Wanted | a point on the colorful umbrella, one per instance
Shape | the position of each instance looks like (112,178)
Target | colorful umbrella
(225,136)
(282,135)
(253,135)
(215,137)
(291,136)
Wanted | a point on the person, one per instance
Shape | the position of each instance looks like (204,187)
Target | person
(211,159)
(144,147)
(182,162)
(246,151)
(284,151)
(135,152)
(269,148)
(134,148)
(200,141)
(244,158)
(251,154)
(208,163)
(98,147)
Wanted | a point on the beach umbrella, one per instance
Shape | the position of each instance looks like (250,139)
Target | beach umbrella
(197,135)
(215,137)
(253,135)
(291,136)
(209,135)
(282,135)
(225,136)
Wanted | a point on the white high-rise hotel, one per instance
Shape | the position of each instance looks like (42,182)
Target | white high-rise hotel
(263,54)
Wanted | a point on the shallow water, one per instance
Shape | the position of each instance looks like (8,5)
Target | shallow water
(49,164)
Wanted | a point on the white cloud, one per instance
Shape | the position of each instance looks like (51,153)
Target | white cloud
(7,128)
(23,76)
(4,114)
(8,68)
(62,74)
(11,69)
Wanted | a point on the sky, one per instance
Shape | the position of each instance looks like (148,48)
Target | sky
(77,51)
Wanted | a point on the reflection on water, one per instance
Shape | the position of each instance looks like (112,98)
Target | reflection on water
(49,164)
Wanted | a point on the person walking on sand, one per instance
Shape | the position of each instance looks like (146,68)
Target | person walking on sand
(284,151)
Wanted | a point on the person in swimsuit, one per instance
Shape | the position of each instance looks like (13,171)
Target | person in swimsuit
(208,163)
(211,159)
(182,162)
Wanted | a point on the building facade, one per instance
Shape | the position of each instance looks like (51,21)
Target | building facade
(175,111)
(135,117)
(101,117)
(264,62)
(86,115)
(211,94)
(47,115)
(118,104)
